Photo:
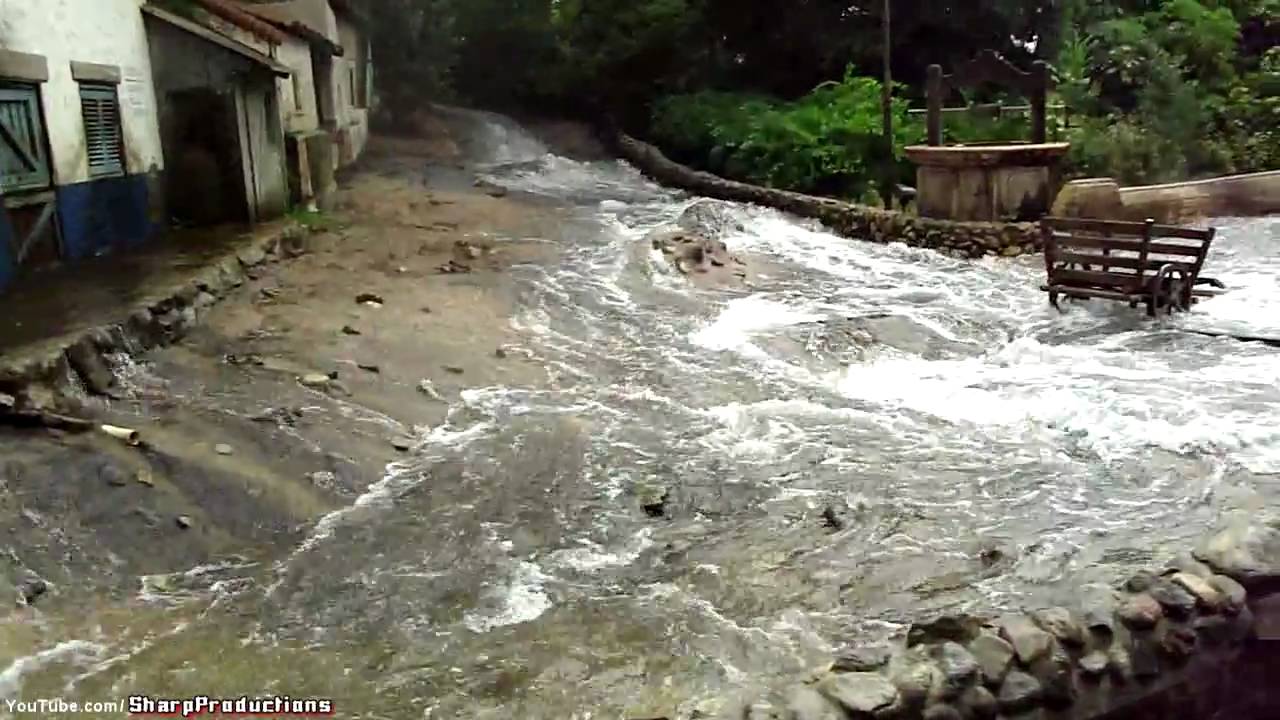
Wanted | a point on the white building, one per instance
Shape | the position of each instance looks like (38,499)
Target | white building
(80,150)
(118,117)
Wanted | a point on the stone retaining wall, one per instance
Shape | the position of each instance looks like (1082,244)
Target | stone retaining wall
(964,239)
(1164,645)
(1174,203)
(50,375)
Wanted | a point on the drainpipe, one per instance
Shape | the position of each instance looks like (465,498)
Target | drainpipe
(886,101)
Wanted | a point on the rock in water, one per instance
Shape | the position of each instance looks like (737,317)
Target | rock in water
(1248,552)
(184,522)
(860,694)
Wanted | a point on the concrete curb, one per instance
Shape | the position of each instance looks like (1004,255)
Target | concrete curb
(55,373)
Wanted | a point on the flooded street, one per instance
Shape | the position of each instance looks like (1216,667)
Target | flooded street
(716,488)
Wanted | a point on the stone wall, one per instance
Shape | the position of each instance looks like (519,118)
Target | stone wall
(1191,641)
(964,239)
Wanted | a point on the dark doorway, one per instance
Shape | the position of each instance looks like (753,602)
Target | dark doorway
(322,75)
(205,177)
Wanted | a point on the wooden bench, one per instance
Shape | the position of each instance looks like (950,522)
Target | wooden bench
(1134,262)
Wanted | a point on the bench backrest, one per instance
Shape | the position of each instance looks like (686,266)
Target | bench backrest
(1117,254)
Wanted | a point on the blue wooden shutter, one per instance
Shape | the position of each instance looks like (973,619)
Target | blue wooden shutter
(24,163)
(103,138)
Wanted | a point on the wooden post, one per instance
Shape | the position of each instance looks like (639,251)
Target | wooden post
(886,101)
(933,93)
(1039,100)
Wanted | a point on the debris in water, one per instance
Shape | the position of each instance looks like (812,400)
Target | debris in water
(402,444)
(33,588)
(427,388)
(367,298)
(453,266)
(653,500)
(348,330)
(128,435)
(454,369)
(144,478)
(500,353)
(369,368)
(315,380)
(184,522)
(223,449)
(831,518)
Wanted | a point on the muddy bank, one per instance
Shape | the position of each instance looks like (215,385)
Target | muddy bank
(287,399)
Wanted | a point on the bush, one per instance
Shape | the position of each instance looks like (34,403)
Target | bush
(828,141)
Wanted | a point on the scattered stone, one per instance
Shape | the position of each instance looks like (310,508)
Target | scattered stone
(956,628)
(367,367)
(1057,679)
(426,387)
(184,522)
(33,588)
(316,380)
(1143,659)
(1121,663)
(1233,593)
(1141,582)
(1188,564)
(1214,630)
(915,677)
(1098,615)
(348,330)
(223,449)
(368,297)
(1018,693)
(85,359)
(1095,664)
(990,556)
(270,293)
(147,515)
(1176,642)
(960,669)
(500,353)
(831,519)
(994,656)
(653,500)
(1059,623)
(112,475)
(1247,553)
(1140,612)
(860,694)
(1208,598)
(496,191)
(805,703)
(454,369)
(861,659)
(144,478)
(7,401)
(981,704)
(1029,642)
(402,444)
(453,266)
(942,712)
(1175,599)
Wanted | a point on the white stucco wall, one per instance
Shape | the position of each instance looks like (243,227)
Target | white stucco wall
(299,109)
(108,32)
(351,114)
(295,54)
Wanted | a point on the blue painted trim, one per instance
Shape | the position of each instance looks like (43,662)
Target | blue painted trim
(100,216)
(8,268)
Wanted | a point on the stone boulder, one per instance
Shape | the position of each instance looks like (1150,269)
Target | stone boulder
(1247,551)
(692,253)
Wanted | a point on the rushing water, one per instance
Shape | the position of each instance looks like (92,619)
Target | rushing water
(981,449)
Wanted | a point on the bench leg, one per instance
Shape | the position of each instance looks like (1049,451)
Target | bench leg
(1151,306)
(1053,300)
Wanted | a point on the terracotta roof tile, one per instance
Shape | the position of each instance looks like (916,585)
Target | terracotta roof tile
(233,12)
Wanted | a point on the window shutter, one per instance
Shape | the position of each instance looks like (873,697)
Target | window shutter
(103,139)
(24,164)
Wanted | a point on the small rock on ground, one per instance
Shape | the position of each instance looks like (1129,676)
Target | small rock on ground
(223,449)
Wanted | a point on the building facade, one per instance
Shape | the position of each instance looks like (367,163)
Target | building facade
(119,118)
(80,150)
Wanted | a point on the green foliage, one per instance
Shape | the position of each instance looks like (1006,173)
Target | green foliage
(829,141)
(1157,89)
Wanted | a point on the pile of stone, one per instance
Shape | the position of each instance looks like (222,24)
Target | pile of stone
(1163,639)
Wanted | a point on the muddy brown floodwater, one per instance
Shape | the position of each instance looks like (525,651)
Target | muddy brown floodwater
(483,451)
